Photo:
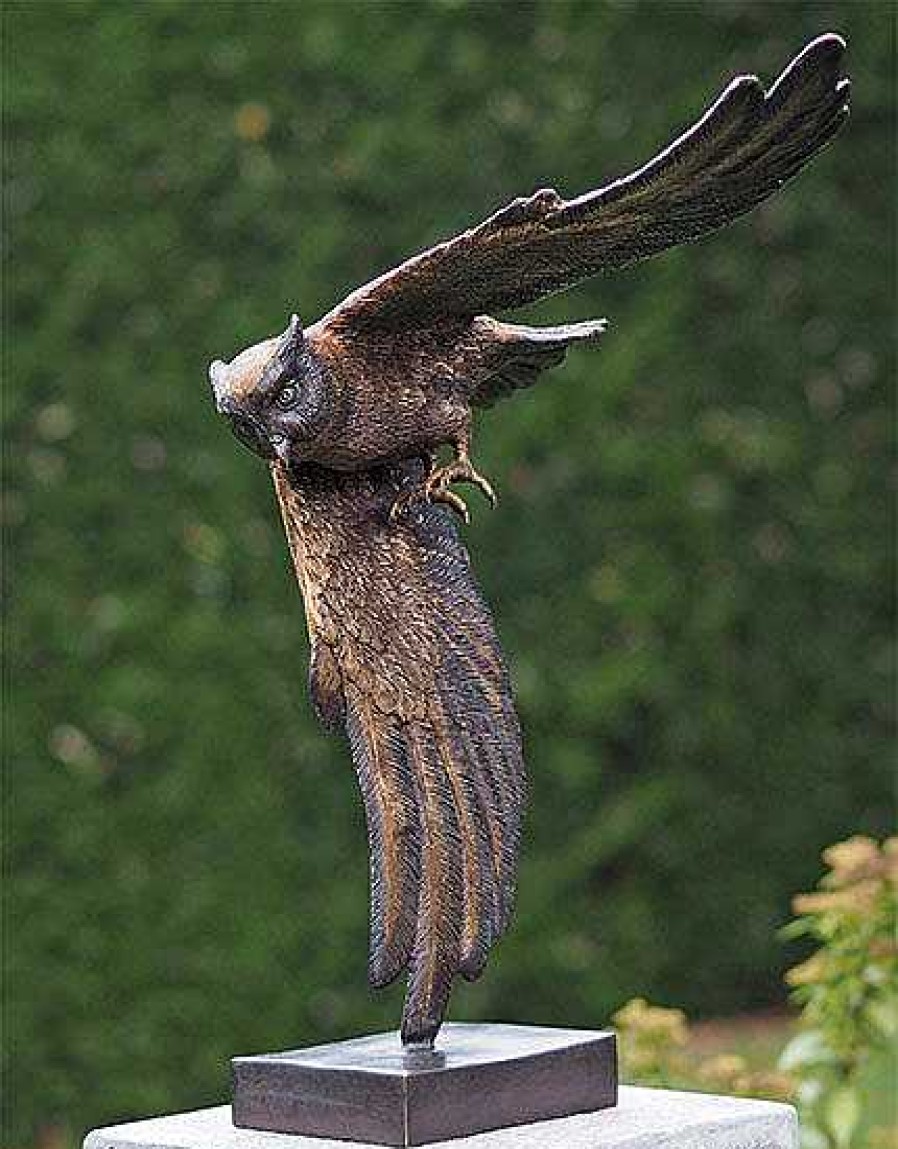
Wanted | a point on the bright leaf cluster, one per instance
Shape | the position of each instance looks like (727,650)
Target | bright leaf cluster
(848,987)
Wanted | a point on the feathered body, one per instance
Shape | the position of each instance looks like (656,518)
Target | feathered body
(350,414)
(389,393)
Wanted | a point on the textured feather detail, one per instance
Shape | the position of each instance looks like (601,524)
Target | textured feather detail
(405,654)
(387,784)
(437,950)
(745,147)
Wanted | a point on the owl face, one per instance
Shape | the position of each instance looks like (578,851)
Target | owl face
(274,395)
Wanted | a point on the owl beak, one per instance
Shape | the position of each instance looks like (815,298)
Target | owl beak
(281,449)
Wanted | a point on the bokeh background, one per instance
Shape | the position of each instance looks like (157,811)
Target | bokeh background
(690,564)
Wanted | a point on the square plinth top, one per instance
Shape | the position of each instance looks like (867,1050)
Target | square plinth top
(479,1077)
(643,1119)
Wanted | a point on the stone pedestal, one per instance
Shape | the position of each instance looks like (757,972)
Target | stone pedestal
(642,1119)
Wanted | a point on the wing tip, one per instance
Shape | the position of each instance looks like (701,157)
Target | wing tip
(821,56)
(823,52)
(825,43)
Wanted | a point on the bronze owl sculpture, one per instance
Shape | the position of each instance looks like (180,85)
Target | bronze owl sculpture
(350,414)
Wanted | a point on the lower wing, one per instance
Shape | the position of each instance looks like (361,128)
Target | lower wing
(406,660)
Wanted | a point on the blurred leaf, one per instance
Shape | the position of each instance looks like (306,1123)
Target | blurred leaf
(883,1015)
(805,1049)
(843,1112)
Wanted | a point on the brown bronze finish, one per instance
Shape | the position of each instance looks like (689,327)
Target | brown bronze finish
(350,414)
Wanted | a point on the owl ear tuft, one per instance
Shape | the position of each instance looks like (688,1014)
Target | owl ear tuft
(293,339)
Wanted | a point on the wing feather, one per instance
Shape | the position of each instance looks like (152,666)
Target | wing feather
(745,147)
(438,940)
(404,654)
(387,787)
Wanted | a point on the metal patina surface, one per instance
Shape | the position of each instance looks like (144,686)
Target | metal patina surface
(350,414)
(480,1077)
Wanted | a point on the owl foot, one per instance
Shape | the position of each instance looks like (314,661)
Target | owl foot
(435,489)
(450,499)
(460,470)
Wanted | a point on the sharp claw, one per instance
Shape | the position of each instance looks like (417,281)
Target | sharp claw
(463,472)
(450,499)
(484,486)
(436,489)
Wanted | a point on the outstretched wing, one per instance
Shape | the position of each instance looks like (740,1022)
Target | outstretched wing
(406,660)
(743,149)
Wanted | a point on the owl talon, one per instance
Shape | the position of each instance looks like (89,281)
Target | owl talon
(436,488)
(407,502)
(482,483)
(449,498)
(460,470)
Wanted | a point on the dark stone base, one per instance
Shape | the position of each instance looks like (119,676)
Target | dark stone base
(479,1077)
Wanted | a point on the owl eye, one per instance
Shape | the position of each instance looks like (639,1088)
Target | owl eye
(286,397)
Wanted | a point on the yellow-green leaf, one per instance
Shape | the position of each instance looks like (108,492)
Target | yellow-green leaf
(843,1112)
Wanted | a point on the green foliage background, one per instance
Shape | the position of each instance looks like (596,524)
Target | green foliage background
(690,566)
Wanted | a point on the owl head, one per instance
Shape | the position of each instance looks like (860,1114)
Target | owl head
(274,394)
